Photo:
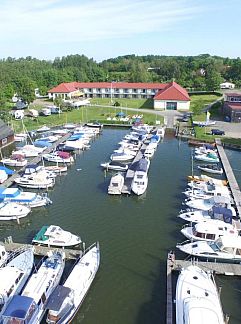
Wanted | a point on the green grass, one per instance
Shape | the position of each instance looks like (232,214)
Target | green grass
(199,103)
(130,103)
(81,115)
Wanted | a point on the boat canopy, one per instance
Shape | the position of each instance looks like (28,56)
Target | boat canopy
(57,298)
(155,138)
(17,157)
(32,168)
(7,170)
(18,307)
(142,165)
(63,155)
(222,213)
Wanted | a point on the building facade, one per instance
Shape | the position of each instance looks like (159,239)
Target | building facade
(177,97)
(6,134)
(232,107)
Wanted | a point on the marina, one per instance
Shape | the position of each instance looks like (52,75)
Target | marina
(115,221)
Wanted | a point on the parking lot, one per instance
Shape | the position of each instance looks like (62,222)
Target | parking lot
(230,129)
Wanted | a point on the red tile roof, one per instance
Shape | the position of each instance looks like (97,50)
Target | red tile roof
(73,86)
(233,105)
(172,91)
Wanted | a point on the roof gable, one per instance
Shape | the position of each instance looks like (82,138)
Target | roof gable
(172,91)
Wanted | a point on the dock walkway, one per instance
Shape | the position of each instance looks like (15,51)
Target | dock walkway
(230,176)
(35,160)
(40,250)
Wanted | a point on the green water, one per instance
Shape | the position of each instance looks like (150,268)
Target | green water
(135,233)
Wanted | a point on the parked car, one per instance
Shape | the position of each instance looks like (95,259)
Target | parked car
(216,131)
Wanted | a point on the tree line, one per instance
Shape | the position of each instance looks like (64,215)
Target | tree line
(202,72)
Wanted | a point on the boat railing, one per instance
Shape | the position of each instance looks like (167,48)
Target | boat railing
(13,254)
(183,243)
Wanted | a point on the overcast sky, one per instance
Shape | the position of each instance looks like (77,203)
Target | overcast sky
(103,29)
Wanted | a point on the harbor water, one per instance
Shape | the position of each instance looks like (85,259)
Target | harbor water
(135,233)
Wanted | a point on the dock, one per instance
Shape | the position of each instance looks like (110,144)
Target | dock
(126,189)
(234,187)
(35,160)
(227,269)
(39,250)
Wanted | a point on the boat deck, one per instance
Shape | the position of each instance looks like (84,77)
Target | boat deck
(35,160)
(40,250)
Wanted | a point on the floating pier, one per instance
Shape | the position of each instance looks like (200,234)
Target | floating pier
(35,160)
(40,250)
(230,176)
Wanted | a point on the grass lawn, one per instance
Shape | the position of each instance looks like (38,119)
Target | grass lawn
(82,115)
(199,103)
(130,103)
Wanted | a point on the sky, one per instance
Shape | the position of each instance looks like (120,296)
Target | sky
(102,29)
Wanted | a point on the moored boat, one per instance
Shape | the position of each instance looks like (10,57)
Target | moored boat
(53,235)
(211,168)
(12,211)
(114,165)
(197,298)
(16,160)
(59,157)
(65,301)
(116,184)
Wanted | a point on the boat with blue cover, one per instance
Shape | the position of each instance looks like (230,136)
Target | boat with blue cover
(7,170)
(27,198)
(140,180)
(30,306)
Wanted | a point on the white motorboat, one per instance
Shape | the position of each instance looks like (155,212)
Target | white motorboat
(116,184)
(206,150)
(215,212)
(60,131)
(43,129)
(207,191)
(78,144)
(224,248)
(29,150)
(206,204)
(94,125)
(205,178)
(30,306)
(209,230)
(56,168)
(121,156)
(59,157)
(209,157)
(113,165)
(3,176)
(20,137)
(35,181)
(35,169)
(16,160)
(12,211)
(149,152)
(65,301)
(197,298)
(14,273)
(211,168)
(139,182)
(30,199)
(53,235)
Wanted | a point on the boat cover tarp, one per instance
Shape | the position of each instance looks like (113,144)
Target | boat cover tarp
(57,298)
(39,143)
(155,138)
(18,307)
(8,171)
(142,165)
(9,192)
(63,155)
(222,213)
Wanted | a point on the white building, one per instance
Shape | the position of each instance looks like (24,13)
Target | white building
(227,85)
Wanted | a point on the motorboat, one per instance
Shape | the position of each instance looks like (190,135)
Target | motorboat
(7,170)
(65,301)
(77,144)
(205,178)
(70,126)
(30,150)
(149,152)
(207,191)
(211,168)
(30,306)
(43,129)
(121,156)
(58,169)
(14,273)
(94,125)
(53,235)
(3,176)
(197,298)
(209,230)
(16,160)
(224,248)
(206,149)
(50,138)
(139,182)
(20,137)
(206,204)
(61,132)
(209,157)
(116,184)
(30,199)
(113,165)
(12,211)
(216,212)
(35,181)
(59,157)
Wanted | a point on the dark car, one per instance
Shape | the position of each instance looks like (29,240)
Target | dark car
(217,132)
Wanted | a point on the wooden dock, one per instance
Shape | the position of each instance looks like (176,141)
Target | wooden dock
(227,269)
(35,160)
(230,176)
(40,250)
(131,171)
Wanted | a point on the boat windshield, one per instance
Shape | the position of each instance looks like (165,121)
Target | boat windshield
(217,245)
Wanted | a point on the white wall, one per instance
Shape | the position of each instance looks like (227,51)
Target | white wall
(181,105)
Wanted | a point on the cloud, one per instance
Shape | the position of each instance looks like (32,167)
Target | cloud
(50,22)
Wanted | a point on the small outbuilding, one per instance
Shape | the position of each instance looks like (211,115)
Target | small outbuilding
(6,134)
(227,85)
